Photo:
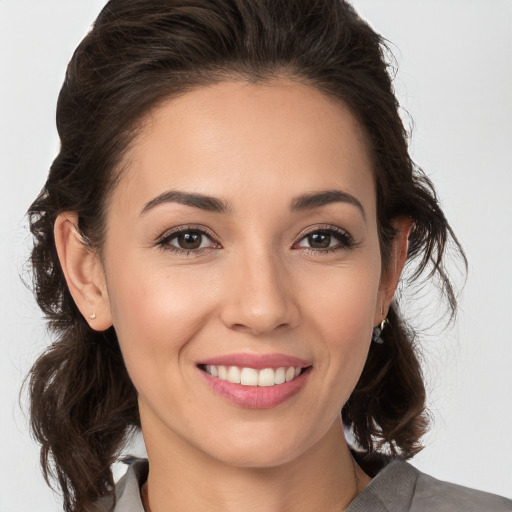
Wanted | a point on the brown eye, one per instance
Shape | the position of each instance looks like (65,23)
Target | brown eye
(319,240)
(323,241)
(189,240)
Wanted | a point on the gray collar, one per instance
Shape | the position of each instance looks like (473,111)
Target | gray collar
(390,491)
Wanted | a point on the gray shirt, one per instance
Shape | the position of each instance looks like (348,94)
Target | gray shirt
(399,487)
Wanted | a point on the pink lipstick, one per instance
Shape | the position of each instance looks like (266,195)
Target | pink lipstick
(257,361)
(255,381)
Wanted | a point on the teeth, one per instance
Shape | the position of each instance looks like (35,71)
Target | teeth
(280,376)
(290,374)
(266,377)
(212,370)
(234,375)
(251,377)
(221,370)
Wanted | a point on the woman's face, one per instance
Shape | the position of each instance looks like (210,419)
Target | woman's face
(242,235)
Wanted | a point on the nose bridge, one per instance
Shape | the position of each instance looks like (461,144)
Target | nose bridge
(260,297)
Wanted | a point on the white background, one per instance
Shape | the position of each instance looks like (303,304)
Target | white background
(455,79)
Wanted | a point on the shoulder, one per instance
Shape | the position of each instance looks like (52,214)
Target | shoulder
(433,494)
(127,491)
(400,487)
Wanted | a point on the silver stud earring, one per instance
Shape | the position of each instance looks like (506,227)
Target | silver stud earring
(377,332)
(92,316)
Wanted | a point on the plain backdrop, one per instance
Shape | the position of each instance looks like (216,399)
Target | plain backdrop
(454,79)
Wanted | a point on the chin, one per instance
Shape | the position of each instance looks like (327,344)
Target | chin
(265,448)
(258,458)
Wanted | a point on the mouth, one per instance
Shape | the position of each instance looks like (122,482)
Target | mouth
(260,386)
(247,376)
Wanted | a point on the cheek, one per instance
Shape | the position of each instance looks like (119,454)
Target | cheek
(156,312)
(343,300)
(342,313)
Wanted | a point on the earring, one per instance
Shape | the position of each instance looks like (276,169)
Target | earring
(92,316)
(377,332)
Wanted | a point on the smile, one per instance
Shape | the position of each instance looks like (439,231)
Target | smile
(245,376)
(255,381)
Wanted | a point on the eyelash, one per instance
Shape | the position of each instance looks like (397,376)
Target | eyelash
(164,241)
(344,238)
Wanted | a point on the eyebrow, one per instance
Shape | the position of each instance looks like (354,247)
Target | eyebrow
(324,197)
(212,204)
(204,202)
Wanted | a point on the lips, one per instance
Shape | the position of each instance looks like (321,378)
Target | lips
(255,381)
(257,361)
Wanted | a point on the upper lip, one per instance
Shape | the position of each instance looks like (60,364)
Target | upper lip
(256,361)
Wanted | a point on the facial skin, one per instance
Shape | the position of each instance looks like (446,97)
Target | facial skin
(255,285)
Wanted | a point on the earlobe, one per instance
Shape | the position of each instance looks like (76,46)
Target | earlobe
(397,259)
(83,272)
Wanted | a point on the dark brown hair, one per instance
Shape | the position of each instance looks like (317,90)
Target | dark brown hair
(139,53)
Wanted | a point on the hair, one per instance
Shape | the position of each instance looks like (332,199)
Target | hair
(138,54)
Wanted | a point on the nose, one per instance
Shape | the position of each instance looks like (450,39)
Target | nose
(259,295)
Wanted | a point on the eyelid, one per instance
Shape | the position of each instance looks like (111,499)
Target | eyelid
(186,227)
(323,227)
(328,228)
(163,239)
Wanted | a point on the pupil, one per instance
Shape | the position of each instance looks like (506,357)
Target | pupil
(319,240)
(189,240)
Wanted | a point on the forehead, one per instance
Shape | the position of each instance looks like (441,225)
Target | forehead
(239,141)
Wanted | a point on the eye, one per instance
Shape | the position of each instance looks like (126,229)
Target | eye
(189,240)
(326,240)
(186,240)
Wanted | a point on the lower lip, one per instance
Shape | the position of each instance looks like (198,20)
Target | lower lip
(256,397)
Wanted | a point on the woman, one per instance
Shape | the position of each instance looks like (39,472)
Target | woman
(217,249)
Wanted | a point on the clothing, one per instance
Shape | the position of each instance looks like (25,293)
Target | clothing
(399,487)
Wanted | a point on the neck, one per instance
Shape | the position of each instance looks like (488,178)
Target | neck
(325,478)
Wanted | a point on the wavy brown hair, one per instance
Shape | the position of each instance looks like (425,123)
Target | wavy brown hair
(138,54)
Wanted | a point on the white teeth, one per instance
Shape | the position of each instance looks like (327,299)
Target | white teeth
(221,370)
(290,374)
(234,375)
(280,376)
(251,377)
(266,377)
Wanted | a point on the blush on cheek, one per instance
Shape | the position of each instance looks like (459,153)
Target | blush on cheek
(345,315)
(158,316)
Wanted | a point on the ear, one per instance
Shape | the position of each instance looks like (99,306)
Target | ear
(83,272)
(391,274)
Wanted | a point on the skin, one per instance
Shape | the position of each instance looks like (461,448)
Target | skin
(255,285)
